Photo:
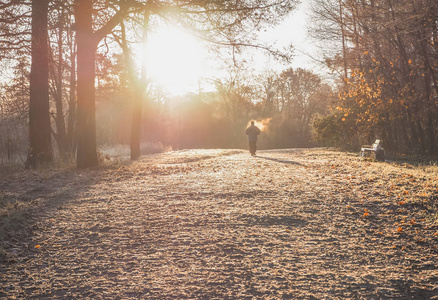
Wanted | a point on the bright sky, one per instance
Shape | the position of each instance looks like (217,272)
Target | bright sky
(293,31)
(176,60)
(179,63)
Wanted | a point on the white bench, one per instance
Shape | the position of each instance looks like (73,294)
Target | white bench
(376,149)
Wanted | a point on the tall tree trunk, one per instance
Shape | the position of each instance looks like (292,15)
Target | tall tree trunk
(140,92)
(60,122)
(344,50)
(136,126)
(40,145)
(86,108)
(87,42)
(71,119)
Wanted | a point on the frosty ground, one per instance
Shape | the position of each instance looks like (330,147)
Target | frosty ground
(220,224)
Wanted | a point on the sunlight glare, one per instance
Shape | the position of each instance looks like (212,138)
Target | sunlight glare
(175,60)
(263,124)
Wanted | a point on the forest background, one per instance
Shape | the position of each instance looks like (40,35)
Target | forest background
(381,57)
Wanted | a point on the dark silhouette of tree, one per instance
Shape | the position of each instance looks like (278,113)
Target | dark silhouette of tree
(15,44)
(87,42)
(40,147)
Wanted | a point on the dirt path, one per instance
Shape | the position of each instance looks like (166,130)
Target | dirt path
(220,224)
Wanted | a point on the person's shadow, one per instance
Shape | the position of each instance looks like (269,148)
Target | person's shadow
(280,160)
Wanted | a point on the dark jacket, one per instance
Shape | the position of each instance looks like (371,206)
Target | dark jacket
(252,132)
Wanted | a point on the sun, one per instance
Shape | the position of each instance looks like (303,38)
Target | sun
(175,60)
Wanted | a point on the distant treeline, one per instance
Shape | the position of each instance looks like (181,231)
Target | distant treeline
(283,104)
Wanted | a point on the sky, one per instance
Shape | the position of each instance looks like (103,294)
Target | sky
(179,63)
(293,31)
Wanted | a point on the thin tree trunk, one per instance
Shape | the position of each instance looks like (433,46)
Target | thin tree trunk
(72,102)
(344,50)
(60,122)
(432,134)
(139,97)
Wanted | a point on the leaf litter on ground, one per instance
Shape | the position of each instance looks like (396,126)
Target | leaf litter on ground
(198,224)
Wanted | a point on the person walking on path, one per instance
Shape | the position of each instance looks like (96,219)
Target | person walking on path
(252,132)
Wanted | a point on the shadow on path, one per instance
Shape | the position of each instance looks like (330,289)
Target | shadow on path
(280,160)
(272,220)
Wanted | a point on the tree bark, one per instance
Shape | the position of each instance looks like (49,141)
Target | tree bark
(87,42)
(344,51)
(71,119)
(40,145)
(136,126)
(139,96)
(86,107)
(59,120)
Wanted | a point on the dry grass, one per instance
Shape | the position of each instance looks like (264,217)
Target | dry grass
(205,224)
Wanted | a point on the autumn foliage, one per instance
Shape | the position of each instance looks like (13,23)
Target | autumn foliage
(389,88)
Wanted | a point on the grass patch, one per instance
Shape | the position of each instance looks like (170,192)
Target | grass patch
(14,220)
